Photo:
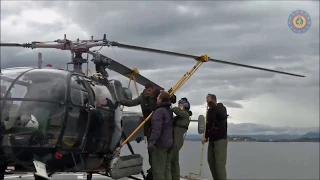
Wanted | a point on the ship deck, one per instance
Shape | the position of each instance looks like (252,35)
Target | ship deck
(72,176)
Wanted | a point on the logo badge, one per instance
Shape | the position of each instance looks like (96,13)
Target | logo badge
(299,21)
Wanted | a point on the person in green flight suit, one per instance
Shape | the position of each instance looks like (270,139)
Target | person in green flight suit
(148,102)
(181,124)
(217,135)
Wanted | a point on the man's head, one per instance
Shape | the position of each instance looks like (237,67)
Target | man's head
(163,97)
(184,104)
(148,89)
(211,98)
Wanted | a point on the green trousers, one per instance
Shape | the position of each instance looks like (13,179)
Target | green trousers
(159,160)
(150,158)
(173,164)
(217,158)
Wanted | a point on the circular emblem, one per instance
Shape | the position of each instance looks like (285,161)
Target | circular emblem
(299,21)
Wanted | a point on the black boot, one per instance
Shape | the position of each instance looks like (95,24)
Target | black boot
(2,171)
(149,175)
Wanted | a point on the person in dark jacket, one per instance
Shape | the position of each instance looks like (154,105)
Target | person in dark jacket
(216,133)
(161,139)
(148,102)
(180,126)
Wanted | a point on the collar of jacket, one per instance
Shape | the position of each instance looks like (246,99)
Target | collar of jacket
(210,104)
(164,104)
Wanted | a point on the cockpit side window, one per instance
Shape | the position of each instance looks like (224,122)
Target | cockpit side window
(103,97)
(79,94)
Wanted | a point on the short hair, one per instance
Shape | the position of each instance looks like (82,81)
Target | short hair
(164,96)
(148,85)
(213,97)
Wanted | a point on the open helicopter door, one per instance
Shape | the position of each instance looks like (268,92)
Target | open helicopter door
(124,166)
(130,120)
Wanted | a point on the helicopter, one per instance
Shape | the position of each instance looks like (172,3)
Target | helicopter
(61,120)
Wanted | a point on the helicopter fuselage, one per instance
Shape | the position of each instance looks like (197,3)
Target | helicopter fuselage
(64,119)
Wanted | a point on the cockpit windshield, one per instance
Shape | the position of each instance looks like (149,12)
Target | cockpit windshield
(32,106)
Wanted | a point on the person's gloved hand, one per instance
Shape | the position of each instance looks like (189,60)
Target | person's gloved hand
(173,99)
(139,139)
(151,146)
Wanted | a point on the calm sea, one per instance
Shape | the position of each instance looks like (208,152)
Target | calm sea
(251,160)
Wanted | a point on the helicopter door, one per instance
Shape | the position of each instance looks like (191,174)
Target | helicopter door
(101,128)
(78,116)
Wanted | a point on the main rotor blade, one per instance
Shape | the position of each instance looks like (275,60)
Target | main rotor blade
(11,44)
(113,43)
(124,70)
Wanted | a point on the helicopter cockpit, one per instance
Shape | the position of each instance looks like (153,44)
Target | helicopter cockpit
(32,106)
(51,107)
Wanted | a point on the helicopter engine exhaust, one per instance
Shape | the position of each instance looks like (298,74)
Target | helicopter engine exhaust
(124,166)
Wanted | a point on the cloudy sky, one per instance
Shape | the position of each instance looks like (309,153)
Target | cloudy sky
(249,32)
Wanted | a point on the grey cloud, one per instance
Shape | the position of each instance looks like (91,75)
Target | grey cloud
(232,104)
(232,31)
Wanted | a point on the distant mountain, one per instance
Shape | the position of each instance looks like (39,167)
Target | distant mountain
(271,136)
(257,129)
(309,135)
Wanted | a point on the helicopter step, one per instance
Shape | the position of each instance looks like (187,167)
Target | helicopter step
(124,166)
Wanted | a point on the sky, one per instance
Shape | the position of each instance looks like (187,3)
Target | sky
(249,32)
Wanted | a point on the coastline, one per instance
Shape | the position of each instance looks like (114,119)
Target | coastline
(248,139)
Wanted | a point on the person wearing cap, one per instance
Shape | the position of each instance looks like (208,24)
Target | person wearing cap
(181,124)
(216,134)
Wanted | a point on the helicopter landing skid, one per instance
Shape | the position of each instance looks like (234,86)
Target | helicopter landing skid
(125,166)
(132,152)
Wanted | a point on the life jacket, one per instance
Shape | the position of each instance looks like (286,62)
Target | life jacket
(217,124)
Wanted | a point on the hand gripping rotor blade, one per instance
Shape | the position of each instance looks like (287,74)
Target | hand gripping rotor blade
(113,43)
(124,70)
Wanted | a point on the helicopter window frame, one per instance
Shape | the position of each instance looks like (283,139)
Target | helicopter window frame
(81,88)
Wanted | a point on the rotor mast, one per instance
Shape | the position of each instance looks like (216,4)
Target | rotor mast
(77,48)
